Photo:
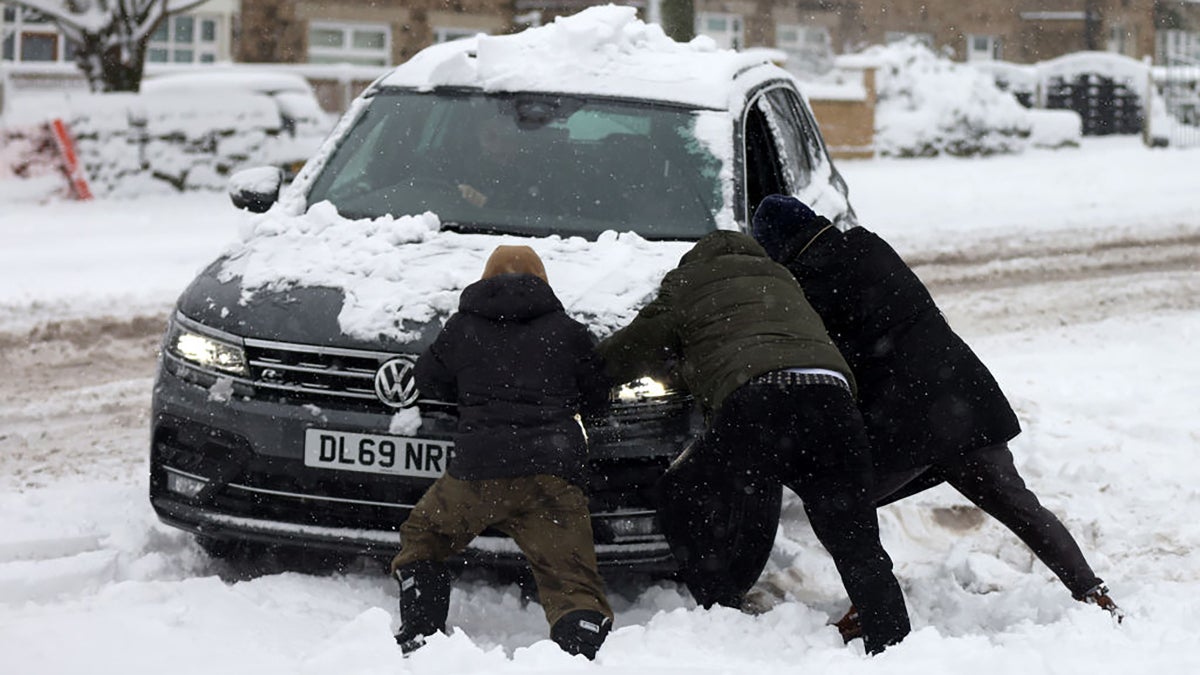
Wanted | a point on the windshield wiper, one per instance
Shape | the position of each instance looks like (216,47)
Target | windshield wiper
(477,228)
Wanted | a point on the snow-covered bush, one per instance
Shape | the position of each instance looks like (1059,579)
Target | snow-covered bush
(928,105)
(1055,128)
(27,151)
(134,143)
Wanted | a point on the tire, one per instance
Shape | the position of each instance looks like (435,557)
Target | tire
(720,531)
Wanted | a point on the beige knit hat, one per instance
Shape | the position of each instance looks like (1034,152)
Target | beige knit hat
(514,260)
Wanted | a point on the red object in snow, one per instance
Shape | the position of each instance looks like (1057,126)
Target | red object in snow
(70,160)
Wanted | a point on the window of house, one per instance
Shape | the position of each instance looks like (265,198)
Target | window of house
(450,33)
(30,37)
(725,29)
(357,43)
(983,47)
(1177,45)
(184,38)
(808,47)
(1120,39)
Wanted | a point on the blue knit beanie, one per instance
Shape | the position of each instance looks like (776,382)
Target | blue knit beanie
(780,219)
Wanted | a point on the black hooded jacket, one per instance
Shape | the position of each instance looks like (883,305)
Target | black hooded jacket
(520,370)
(923,393)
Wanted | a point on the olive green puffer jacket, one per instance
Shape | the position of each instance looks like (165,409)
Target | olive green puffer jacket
(726,314)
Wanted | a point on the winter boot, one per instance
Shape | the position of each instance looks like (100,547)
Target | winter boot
(1098,596)
(581,632)
(849,625)
(424,602)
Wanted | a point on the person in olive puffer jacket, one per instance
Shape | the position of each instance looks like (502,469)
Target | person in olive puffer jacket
(778,397)
(522,373)
(932,408)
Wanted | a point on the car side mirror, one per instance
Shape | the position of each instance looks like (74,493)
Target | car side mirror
(255,190)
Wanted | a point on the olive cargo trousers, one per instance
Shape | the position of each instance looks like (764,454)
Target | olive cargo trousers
(545,515)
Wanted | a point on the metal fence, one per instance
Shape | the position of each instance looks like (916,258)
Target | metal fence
(1105,104)
(1175,112)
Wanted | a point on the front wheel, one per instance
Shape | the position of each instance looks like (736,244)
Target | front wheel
(720,530)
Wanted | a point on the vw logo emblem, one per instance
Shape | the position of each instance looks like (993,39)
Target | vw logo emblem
(394,383)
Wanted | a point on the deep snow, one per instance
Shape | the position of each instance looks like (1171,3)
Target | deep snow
(1106,390)
(1072,273)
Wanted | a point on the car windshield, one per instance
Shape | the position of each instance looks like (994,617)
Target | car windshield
(526,164)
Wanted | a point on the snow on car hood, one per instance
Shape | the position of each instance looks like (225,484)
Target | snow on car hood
(604,50)
(399,273)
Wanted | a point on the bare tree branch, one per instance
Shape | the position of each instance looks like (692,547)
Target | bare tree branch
(110,36)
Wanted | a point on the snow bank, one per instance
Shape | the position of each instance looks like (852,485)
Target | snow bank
(928,105)
(1109,444)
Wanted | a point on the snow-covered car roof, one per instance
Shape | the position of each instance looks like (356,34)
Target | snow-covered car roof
(604,50)
(263,81)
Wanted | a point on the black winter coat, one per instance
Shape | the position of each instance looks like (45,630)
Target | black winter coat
(725,315)
(520,370)
(923,393)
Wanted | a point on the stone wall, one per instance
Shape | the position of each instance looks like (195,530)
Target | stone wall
(848,123)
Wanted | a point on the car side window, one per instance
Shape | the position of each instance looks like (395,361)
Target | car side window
(795,141)
(764,172)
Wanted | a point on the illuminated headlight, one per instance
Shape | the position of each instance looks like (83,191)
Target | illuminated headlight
(641,390)
(205,351)
(632,528)
(184,485)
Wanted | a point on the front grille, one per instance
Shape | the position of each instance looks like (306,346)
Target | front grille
(307,372)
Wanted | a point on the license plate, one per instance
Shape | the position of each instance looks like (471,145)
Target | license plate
(376,453)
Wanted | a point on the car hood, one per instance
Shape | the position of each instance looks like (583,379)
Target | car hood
(390,283)
(296,314)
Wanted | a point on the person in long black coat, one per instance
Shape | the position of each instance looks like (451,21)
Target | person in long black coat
(932,409)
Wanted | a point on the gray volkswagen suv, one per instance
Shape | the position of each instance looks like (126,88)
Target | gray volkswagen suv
(274,421)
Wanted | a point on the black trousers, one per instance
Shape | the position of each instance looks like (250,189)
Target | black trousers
(990,480)
(810,438)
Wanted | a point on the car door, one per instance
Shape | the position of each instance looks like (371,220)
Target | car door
(783,149)
(776,159)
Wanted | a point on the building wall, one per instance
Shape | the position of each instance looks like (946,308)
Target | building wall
(277,30)
(1029,30)
(848,126)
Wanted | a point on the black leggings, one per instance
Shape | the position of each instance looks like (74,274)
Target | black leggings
(990,480)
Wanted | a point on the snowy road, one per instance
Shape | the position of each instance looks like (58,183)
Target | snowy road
(1087,314)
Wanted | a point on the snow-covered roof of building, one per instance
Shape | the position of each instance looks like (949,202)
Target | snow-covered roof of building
(604,50)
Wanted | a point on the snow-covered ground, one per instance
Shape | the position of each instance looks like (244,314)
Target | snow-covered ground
(1075,274)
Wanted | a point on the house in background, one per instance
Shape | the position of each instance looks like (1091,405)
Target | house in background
(384,33)
(1020,31)
(361,32)
(202,35)
(1177,39)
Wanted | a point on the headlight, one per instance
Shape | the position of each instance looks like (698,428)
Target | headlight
(641,390)
(205,351)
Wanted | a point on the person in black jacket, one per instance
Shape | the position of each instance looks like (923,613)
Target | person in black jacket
(926,398)
(522,373)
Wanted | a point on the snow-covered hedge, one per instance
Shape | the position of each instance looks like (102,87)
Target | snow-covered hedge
(134,143)
(928,105)
(27,151)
